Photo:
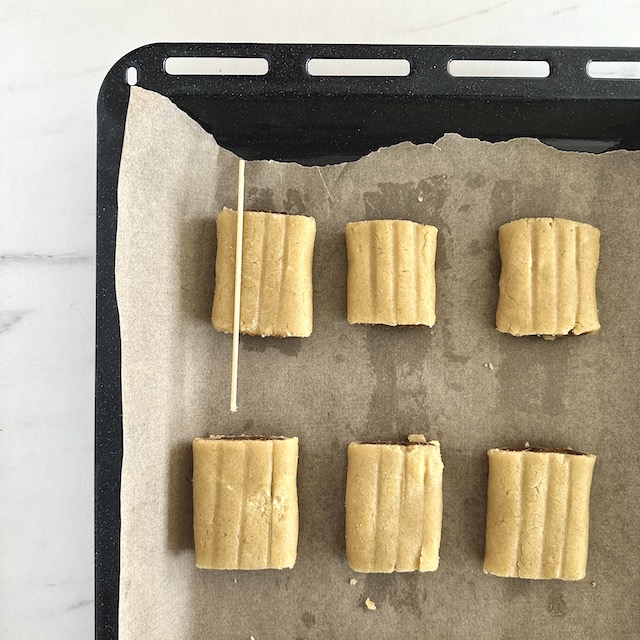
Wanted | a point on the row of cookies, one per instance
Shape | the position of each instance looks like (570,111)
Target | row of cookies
(246,507)
(547,282)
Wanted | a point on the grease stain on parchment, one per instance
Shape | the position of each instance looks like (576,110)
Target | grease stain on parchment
(557,604)
(405,593)
(286,346)
(392,364)
(259,199)
(295,202)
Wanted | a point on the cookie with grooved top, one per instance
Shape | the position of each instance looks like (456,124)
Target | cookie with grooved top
(245,502)
(391,272)
(394,506)
(548,277)
(276,278)
(538,513)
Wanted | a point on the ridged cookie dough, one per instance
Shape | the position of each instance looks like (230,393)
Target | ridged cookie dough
(245,502)
(391,277)
(277,288)
(538,513)
(394,506)
(548,277)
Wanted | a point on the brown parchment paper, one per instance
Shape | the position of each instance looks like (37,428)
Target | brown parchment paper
(349,383)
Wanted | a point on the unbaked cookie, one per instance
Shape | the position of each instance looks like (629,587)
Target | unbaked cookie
(245,502)
(548,277)
(277,288)
(538,513)
(391,277)
(394,506)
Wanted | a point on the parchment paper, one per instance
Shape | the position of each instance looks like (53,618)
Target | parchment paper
(370,382)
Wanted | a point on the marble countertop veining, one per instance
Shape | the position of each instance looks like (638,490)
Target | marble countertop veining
(53,57)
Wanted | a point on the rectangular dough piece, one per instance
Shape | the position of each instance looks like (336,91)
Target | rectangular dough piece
(391,272)
(538,513)
(394,506)
(548,277)
(276,296)
(245,502)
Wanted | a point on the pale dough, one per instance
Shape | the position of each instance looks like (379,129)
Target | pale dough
(538,513)
(245,502)
(277,289)
(548,277)
(394,506)
(391,276)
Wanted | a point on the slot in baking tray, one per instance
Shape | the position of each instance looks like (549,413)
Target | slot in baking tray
(288,114)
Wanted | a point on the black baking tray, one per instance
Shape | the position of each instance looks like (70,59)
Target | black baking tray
(288,114)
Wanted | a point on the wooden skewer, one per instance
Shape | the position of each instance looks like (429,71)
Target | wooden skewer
(237,286)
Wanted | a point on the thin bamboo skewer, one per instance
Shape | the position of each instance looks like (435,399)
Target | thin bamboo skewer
(237,287)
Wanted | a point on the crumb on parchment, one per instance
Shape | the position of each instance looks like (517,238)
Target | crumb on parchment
(353,582)
(370,604)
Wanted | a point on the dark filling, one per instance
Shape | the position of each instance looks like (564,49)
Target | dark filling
(243,437)
(404,443)
(545,450)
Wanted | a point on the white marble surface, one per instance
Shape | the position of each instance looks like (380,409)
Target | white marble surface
(53,56)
